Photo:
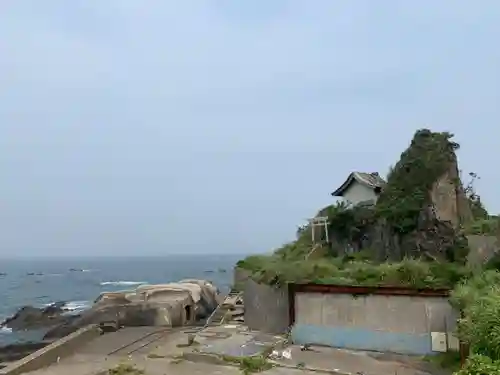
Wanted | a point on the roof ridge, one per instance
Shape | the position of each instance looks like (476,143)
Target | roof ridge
(372,180)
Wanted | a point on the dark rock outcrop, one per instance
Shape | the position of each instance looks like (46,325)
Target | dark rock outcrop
(173,304)
(29,317)
(125,315)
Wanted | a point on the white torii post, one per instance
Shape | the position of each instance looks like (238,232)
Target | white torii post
(319,221)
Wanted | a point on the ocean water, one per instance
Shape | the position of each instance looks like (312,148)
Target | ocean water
(78,282)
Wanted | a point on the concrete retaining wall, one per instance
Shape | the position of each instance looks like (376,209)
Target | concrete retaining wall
(48,355)
(266,308)
(398,324)
(240,276)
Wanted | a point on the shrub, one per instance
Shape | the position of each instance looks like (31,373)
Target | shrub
(480,326)
(253,262)
(480,365)
(470,290)
(249,365)
(125,369)
(488,226)
(358,269)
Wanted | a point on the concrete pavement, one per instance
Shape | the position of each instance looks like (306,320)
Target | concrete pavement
(169,354)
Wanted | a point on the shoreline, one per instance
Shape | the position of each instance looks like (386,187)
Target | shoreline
(41,326)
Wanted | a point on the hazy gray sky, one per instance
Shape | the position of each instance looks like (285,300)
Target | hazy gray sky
(150,127)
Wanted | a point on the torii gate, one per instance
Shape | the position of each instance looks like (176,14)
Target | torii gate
(319,221)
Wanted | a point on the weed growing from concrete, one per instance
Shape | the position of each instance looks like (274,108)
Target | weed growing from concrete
(154,355)
(249,365)
(125,369)
(176,361)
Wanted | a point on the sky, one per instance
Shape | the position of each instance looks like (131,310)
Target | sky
(155,127)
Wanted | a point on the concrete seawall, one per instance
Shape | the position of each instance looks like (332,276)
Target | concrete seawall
(384,323)
(266,308)
(52,353)
(240,276)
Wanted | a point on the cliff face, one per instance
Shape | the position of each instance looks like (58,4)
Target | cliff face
(420,213)
(448,199)
(424,206)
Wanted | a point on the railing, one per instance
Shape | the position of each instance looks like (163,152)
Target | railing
(314,248)
(232,292)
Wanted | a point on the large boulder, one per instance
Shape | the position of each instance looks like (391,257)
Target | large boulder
(173,304)
(203,294)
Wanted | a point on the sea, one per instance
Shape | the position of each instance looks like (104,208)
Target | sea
(79,281)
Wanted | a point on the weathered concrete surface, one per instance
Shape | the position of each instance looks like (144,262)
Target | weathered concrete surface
(236,341)
(266,308)
(93,358)
(52,353)
(398,324)
(165,366)
(347,362)
(171,346)
(170,355)
(151,366)
(127,341)
(163,357)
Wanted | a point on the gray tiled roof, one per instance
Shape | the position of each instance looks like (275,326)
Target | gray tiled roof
(372,180)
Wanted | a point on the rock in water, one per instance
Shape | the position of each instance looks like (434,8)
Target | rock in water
(29,317)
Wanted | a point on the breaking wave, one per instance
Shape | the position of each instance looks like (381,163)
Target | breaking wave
(73,307)
(5,330)
(77,306)
(122,283)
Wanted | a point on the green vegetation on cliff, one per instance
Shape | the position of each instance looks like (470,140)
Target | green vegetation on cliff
(429,156)
(348,259)
(357,269)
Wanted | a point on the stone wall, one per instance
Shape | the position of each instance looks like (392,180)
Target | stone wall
(398,324)
(266,307)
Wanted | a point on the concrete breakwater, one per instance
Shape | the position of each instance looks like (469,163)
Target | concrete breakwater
(167,305)
(124,342)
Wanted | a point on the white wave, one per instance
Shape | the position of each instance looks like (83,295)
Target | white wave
(72,306)
(77,305)
(5,330)
(123,283)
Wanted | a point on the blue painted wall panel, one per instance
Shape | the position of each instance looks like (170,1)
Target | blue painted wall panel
(362,339)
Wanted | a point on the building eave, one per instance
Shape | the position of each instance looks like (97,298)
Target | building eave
(365,179)
(340,191)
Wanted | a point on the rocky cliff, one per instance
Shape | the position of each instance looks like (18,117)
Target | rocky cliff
(413,235)
(423,208)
